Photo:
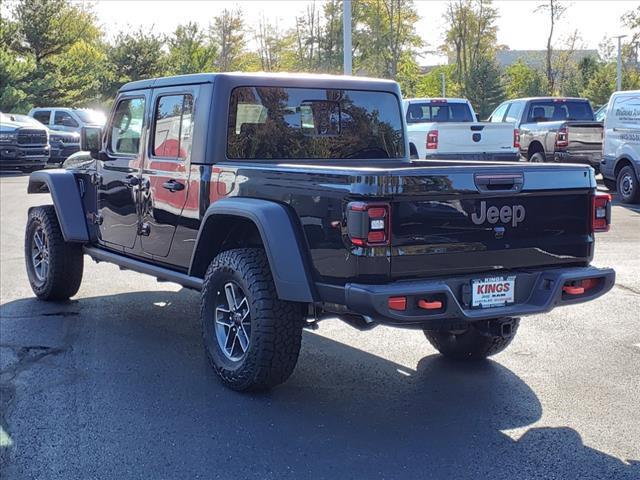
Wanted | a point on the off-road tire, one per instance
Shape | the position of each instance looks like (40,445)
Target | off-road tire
(628,194)
(470,344)
(538,157)
(66,260)
(276,325)
(611,185)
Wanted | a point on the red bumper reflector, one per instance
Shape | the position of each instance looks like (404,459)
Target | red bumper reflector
(397,303)
(426,305)
(570,290)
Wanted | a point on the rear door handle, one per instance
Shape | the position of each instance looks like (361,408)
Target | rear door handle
(173,185)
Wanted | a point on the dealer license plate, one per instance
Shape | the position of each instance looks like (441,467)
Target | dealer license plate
(492,292)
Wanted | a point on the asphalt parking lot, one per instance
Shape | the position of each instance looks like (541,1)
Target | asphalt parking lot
(115,384)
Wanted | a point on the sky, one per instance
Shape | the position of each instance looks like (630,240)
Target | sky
(519,27)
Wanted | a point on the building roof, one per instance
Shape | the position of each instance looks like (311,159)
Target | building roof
(538,58)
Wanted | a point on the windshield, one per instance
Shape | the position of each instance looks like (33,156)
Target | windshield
(305,123)
(428,112)
(91,116)
(560,110)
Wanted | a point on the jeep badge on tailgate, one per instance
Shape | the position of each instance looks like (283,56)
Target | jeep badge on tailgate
(505,214)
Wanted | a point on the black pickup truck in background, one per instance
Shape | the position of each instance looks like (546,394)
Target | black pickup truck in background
(287,199)
(554,129)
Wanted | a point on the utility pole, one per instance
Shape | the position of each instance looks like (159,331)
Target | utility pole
(444,86)
(346,36)
(619,76)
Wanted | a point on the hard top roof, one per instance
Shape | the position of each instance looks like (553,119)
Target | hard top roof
(267,79)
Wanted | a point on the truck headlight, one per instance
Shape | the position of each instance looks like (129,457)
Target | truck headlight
(8,137)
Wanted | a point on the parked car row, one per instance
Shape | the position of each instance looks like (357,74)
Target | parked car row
(538,130)
(45,136)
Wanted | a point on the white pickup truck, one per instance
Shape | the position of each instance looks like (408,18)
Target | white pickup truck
(447,128)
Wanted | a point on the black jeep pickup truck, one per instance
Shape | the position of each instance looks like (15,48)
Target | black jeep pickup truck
(287,199)
(554,129)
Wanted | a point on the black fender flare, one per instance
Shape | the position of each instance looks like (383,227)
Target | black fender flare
(62,186)
(282,243)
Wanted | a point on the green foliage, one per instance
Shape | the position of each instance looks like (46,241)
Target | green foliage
(430,84)
(136,56)
(471,35)
(384,37)
(190,51)
(228,34)
(523,81)
(14,75)
(484,87)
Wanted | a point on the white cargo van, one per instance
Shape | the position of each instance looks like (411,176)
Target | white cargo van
(620,165)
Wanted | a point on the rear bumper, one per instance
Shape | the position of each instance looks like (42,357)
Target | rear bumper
(592,159)
(484,156)
(535,292)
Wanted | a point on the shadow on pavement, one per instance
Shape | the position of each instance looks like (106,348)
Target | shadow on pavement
(129,395)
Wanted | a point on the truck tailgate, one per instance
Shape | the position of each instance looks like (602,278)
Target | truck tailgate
(489,218)
(475,137)
(584,136)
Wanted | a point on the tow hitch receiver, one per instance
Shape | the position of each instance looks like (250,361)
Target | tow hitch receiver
(503,327)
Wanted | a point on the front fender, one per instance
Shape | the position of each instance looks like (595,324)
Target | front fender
(283,243)
(62,186)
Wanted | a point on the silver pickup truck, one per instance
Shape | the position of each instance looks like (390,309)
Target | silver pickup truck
(554,129)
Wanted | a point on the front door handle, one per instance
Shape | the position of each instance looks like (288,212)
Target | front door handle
(173,185)
(131,181)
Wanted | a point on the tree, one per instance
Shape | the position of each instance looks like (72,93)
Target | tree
(430,84)
(487,92)
(307,38)
(275,47)
(471,35)
(50,27)
(190,51)
(227,33)
(136,56)
(556,10)
(523,81)
(385,36)
(330,41)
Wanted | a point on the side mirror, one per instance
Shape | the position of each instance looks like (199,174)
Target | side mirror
(91,140)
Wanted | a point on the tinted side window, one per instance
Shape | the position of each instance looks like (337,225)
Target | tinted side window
(126,126)
(308,123)
(498,115)
(43,116)
(173,126)
(515,112)
(64,119)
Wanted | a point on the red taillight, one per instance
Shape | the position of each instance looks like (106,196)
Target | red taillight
(562,138)
(580,287)
(432,140)
(369,224)
(397,303)
(516,138)
(600,212)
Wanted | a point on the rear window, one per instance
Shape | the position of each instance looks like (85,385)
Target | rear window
(560,110)
(438,112)
(308,123)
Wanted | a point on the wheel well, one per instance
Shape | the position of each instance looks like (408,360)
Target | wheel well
(534,147)
(220,233)
(412,149)
(623,162)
